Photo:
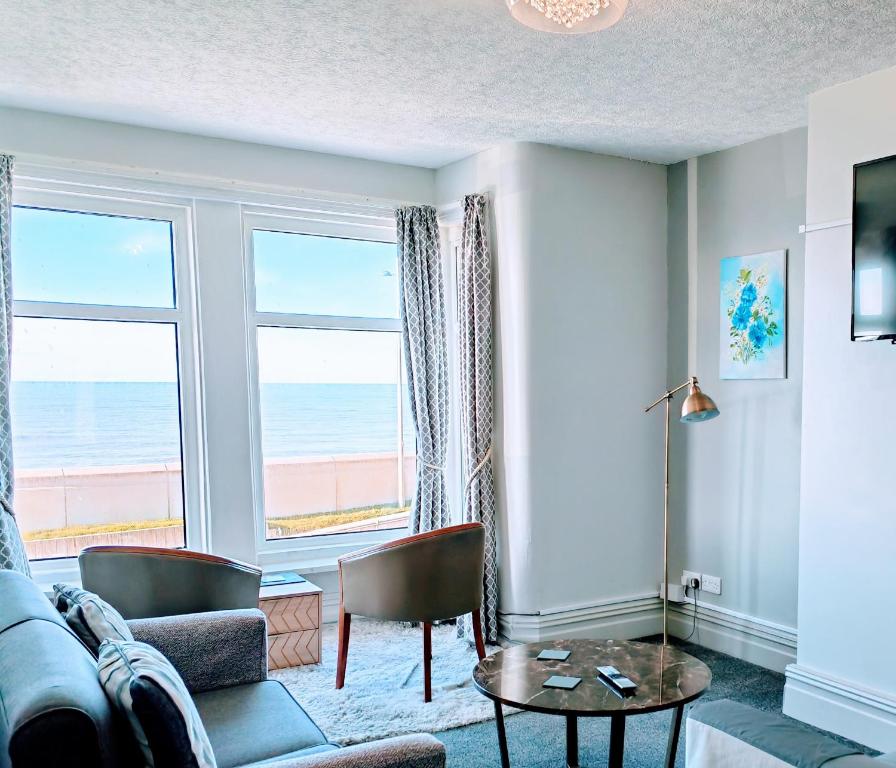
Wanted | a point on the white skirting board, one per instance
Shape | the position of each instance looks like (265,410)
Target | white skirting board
(752,639)
(620,618)
(761,642)
(861,714)
(755,640)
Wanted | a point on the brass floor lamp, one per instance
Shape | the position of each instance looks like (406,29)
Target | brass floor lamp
(696,407)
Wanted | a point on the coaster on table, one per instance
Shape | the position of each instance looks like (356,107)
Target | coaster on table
(559,681)
(550,654)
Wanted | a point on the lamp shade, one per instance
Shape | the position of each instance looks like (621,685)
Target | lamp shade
(698,406)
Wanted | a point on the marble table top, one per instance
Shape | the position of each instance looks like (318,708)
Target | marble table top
(666,677)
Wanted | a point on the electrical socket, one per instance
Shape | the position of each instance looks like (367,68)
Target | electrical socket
(712,584)
(686,577)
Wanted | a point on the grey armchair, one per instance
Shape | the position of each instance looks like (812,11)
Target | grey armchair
(148,582)
(425,578)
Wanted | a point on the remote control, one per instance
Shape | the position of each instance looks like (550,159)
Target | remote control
(617,680)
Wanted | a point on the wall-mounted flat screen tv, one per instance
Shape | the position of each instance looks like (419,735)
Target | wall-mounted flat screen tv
(874,250)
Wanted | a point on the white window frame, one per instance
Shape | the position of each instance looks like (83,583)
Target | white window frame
(312,549)
(454,469)
(78,199)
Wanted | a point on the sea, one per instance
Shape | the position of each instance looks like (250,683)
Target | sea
(90,424)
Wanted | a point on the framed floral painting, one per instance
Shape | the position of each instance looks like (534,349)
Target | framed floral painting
(753,303)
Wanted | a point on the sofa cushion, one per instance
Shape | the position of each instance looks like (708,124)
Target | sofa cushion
(144,686)
(293,757)
(90,617)
(417,751)
(252,723)
(730,733)
(53,710)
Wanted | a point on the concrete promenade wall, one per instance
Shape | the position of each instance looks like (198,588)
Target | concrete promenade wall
(47,499)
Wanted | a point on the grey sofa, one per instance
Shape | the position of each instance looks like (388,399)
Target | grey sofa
(724,732)
(53,711)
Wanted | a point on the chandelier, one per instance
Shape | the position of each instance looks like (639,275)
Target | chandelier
(567,16)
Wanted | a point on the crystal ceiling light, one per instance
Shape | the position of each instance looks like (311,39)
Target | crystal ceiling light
(571,17)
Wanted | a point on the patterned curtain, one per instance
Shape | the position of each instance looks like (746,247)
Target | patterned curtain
(422,313)
(476,395)
(12,550)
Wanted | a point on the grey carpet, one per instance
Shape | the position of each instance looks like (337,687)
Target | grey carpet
(538,741)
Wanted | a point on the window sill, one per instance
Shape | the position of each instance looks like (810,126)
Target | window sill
(65,570)
(310,556)
(304,556)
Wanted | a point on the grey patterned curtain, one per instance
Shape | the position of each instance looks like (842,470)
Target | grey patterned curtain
(12,550)
(475,324)
(422,312)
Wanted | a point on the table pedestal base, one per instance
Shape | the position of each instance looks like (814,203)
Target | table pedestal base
(617,739)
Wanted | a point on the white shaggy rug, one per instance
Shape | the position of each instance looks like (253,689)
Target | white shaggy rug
(383,693)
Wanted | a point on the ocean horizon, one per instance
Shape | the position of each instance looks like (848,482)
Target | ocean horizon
(90,424)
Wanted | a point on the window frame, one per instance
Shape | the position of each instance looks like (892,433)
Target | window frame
(451,235)
(74,198)
(309,549)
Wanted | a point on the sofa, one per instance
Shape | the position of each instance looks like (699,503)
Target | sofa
(728,734)
(53,711)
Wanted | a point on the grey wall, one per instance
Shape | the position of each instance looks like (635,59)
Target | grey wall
(581,263)
(736,484)
(677,234)
(503,173)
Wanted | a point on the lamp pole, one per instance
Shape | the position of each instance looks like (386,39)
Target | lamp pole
(666,529)
(696,407)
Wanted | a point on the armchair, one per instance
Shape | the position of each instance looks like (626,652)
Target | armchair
(148,582)
(425,578)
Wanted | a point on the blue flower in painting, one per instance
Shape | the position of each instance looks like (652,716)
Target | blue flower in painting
(758,333)
(748,295)
(741,317)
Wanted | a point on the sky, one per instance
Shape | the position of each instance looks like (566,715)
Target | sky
(60,256)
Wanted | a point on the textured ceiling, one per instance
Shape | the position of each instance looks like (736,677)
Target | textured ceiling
(426,82)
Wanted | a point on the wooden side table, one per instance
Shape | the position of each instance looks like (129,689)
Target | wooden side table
(294,614)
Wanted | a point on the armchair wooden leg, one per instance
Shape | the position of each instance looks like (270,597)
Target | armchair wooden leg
(427,662)
(345,626)
(477,634)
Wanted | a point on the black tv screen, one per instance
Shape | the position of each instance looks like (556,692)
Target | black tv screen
(874,250)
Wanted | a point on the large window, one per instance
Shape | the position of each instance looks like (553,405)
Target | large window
(337,446)
(97,365)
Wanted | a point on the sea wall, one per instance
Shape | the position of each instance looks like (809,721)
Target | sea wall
(48,499)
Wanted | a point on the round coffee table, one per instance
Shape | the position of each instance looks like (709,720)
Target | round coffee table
(667,678)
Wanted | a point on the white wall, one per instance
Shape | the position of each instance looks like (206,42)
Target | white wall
(845,679)
(735,495)
(196,159)
(581,304)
